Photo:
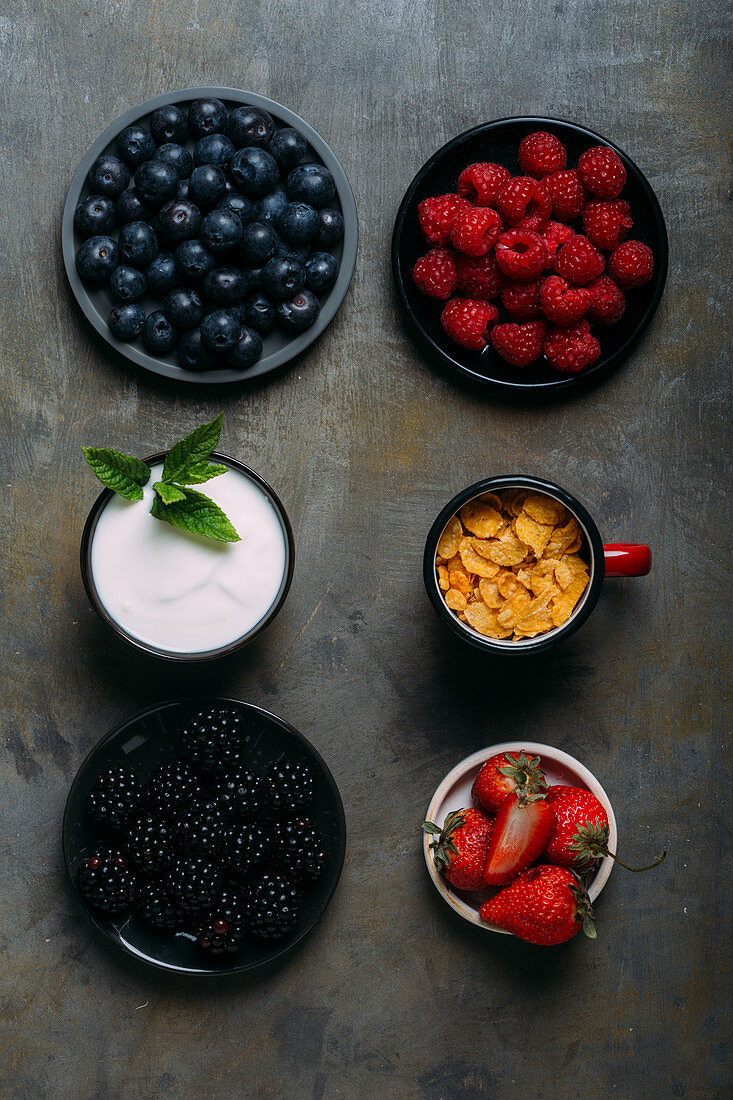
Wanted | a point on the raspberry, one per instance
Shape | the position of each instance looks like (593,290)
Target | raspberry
(541,153)
(476,230)
(524,202)
(567,194)
(522,300)
(435,274)
(481,183)
(563,304)
(436,215)
(521,254)
(607,301)
(579,261)
(631,264)
(479,277)
(519,344)
(602,172)
(572,349)
(607,222)
(467,322)
(555,234)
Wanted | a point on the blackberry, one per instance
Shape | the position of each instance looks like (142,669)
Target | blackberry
(212,738)
(194,884)
(223,931)
(117,793)
(149,843)
(156,906)
(300,849)
(291,787)
(198,829)
(239,793)
(246,849)
(274,907)
(106,882)
(170,787)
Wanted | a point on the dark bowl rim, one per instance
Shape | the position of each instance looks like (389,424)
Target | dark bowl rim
(208,655)
(561,383)
(543,641)
(108,932)
(336,294)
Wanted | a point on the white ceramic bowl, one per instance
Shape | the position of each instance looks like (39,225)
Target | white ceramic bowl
(454,793)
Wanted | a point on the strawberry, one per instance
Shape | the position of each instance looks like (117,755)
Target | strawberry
(545,905)
(460,848)
(581,833)
(523,825)
(502,774)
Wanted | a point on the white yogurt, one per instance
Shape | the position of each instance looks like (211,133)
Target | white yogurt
(178,591)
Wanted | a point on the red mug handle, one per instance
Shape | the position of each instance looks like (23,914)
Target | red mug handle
(627,559)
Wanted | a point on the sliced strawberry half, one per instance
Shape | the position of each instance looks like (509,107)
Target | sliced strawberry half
(522,829)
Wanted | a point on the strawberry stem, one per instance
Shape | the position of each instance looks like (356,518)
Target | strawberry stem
(657,861)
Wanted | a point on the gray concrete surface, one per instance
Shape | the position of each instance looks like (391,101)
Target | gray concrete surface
(390,997)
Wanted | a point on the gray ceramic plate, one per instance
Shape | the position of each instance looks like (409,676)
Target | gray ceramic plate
(278,349)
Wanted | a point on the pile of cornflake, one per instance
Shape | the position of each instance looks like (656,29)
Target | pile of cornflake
(508,564)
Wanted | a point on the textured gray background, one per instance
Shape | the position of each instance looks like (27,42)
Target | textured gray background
(390,996)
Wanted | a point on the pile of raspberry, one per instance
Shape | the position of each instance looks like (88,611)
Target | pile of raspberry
(549,248)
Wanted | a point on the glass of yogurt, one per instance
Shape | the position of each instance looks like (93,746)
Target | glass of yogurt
(176,594)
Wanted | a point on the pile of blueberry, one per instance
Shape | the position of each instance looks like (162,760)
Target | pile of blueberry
(232,237)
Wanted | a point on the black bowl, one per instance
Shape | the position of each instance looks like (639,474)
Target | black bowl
(144,742)
(498,141)
(279,349)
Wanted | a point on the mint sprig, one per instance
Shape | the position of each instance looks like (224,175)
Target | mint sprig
(187,463)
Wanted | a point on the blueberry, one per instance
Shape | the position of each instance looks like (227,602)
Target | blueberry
(159,335)
(221,230)
(239,205)
(135,144)
(193,353)
(288,147)
(258,313)
(247,350)
(176,155)
(169,123)
(214,149)
(162,274)
(269,207)
(253,276)
(193,260)
(297,223)
(298,312)
(126,321)
(207,185)
(180,220)
(311,183)
(321,270)
(258,243)
(127,284)
(225,285)
(330,229)
(254,171)
(299,252)
(220,330)
(156,181)
(97,259)
(183,307)
(183,189)
(250,126)
(108,176)
(207,116)
(94,215)
(138,243)
(131,208)
(282,277)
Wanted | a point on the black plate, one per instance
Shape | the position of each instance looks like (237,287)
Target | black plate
(498,141)
(149,739)
(279,349)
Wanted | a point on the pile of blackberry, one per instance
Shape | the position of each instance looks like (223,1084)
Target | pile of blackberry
(208,230)
(206,846)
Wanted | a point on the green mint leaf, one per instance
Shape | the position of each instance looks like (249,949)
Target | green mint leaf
(203,471)
(192,450)
(196,513)
(169,494)
(122,473)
